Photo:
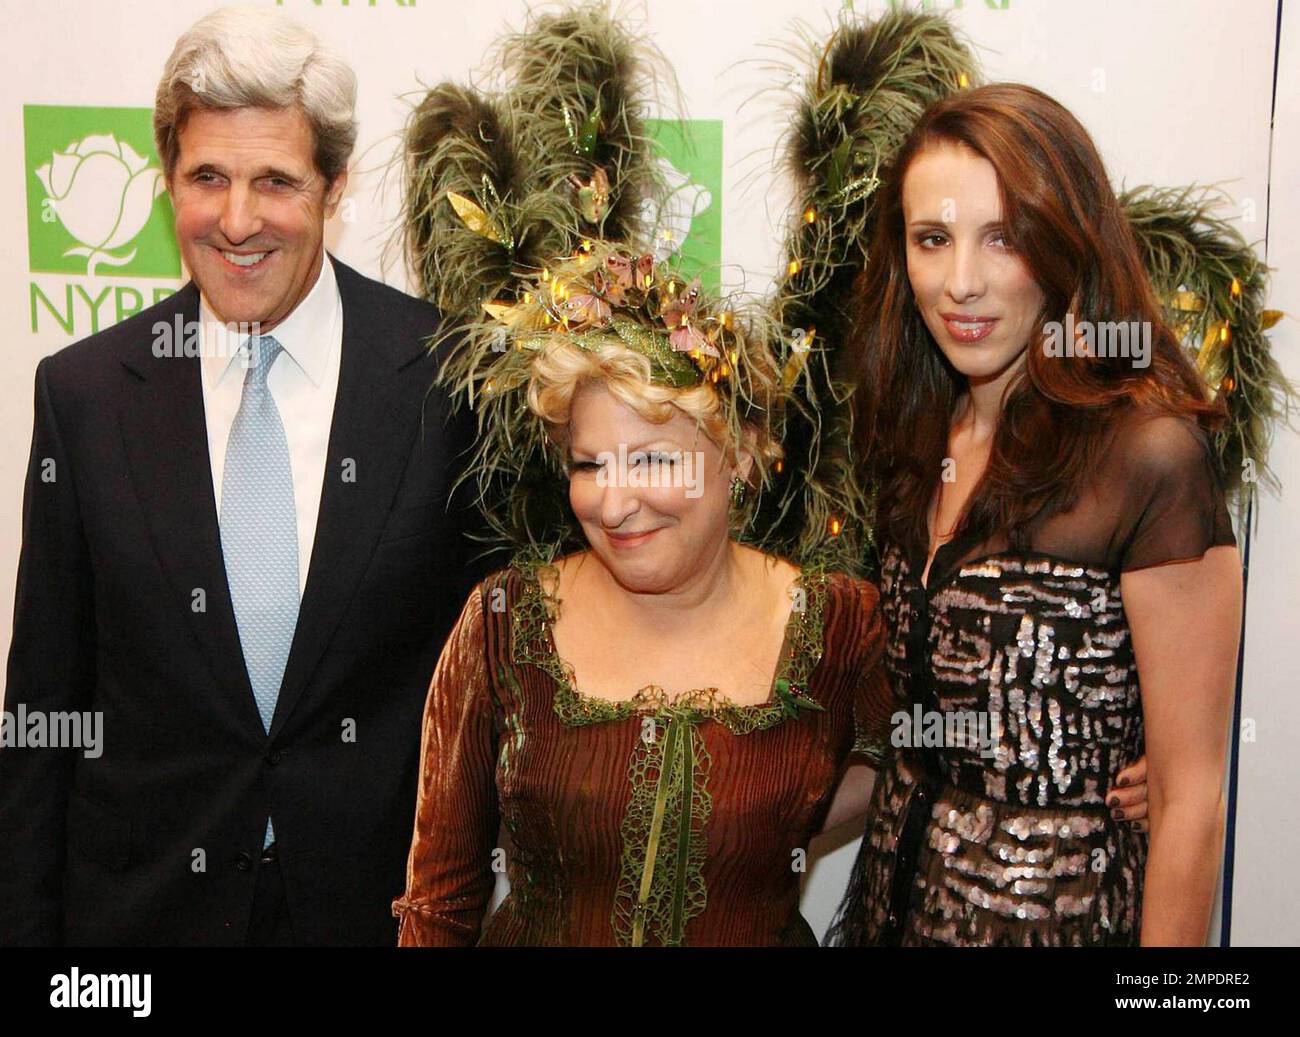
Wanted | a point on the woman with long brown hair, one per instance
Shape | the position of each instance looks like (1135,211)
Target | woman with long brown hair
(1056,557)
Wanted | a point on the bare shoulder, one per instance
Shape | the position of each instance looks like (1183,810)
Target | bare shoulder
(769,571)
(565,571)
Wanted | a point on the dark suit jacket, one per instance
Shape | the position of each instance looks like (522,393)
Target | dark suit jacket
(123,607)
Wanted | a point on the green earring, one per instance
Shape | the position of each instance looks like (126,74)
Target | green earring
(737,491)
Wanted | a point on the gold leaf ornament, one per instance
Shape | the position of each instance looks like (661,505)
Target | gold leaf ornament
(473,216)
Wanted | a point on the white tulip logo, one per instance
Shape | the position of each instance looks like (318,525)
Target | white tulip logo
(102,192)
(686,199)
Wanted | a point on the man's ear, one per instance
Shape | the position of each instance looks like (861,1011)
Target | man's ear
(334,193)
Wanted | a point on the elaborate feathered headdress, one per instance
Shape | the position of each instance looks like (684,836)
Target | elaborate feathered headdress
(526,225)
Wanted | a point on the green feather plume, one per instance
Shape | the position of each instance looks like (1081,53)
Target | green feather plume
(864,89)
(1213,287)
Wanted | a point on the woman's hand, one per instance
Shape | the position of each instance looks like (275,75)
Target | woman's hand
(1127,798)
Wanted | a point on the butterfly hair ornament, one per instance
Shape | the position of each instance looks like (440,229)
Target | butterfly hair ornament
(604,299)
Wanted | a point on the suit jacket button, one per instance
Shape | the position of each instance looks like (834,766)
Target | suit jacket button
(245,861)
(274,757)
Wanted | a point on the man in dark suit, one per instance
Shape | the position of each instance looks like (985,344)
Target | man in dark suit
(244,562)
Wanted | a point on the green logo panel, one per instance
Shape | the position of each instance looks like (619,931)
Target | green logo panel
(690,156)
(96,201)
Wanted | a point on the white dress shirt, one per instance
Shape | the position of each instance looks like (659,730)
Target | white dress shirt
(303,381)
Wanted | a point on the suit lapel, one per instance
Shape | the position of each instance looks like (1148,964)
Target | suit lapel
(375,417)
(166,440)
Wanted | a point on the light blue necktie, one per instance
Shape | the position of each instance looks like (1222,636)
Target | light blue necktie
(259,533)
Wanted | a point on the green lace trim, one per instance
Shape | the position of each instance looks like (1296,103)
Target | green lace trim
(661,880)
(532,643)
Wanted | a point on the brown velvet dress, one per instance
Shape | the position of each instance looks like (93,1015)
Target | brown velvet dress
(645,822)
(1010,842)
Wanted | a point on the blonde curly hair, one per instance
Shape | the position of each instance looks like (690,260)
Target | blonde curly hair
(560,370)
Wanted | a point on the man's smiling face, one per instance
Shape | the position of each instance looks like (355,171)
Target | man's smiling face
(250,210)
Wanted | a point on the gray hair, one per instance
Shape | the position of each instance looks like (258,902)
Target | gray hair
(240,57)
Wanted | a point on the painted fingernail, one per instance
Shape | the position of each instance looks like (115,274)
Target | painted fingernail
(1122,782)
(1113,801)
(1117,814)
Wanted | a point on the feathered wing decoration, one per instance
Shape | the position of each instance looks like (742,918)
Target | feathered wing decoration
(1213,287)
(502,185)
(499,183)
(582,86)
(865,89)
(459,152)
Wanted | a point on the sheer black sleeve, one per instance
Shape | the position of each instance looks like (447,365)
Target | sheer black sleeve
(1173,506)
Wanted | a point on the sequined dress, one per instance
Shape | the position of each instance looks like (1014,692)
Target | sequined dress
(640,822)
(1005,839)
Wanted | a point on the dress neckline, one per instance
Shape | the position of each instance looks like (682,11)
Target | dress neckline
(953,570)
(533,641)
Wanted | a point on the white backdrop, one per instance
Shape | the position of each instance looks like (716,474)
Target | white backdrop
(1174,92)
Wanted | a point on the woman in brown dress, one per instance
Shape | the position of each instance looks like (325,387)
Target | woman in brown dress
(1057,559)
(660,719)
